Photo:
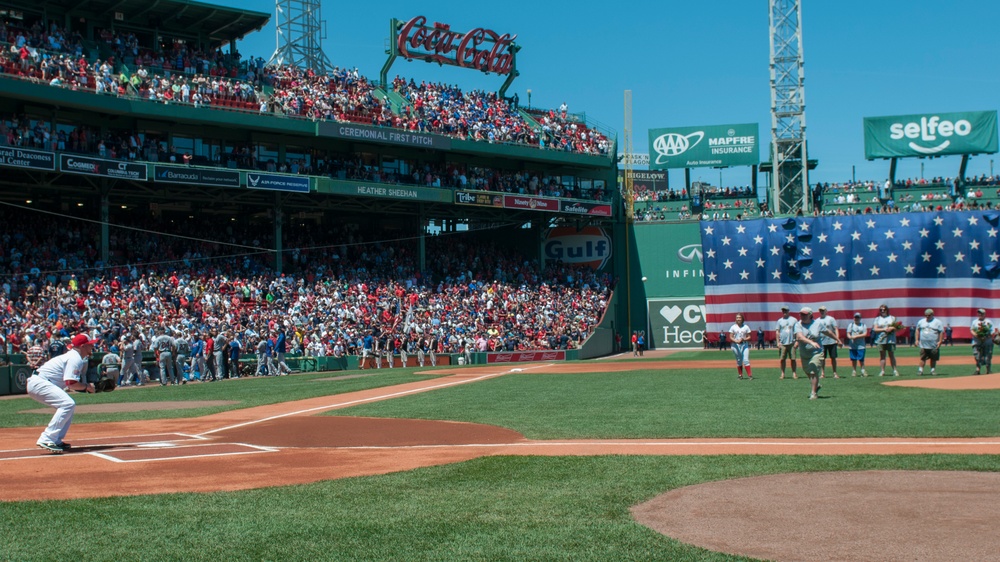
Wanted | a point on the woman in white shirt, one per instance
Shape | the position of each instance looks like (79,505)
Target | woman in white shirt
(739,336)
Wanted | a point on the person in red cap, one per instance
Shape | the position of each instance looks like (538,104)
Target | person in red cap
(49,383)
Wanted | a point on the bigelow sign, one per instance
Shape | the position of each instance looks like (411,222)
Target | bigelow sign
(482,49)
(931,134)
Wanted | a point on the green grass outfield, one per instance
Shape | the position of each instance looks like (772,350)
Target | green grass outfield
(499,508)
(496,508)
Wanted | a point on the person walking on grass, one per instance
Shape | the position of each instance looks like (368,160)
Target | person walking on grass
(739,335)
(885,327)
(807,333)
(785,331)
(983,333)
(830,340)
(857,334)
(930,335)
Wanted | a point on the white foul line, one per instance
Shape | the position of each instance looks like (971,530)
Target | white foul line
(372,399)
(687,444)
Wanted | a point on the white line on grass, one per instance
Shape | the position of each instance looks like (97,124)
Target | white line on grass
(372,399)
(687,444)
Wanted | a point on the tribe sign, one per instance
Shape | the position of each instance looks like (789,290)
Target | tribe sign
(482,49)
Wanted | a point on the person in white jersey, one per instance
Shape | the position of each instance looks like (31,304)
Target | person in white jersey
(739,336)
(48,385)
(930,334)
(884,327)
(857,333)
(785,331)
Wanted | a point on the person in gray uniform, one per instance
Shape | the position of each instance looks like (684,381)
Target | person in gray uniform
(164,347)
(183,353)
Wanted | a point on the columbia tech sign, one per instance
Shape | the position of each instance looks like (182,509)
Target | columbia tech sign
(677,322)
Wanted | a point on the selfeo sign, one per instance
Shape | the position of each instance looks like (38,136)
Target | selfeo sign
(932,134)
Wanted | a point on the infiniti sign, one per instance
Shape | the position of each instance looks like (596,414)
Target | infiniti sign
(689,253)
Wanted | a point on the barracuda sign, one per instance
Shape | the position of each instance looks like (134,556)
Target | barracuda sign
(695,147)
(931,134)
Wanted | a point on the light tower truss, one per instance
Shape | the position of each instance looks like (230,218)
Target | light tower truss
(789,157)
(300,33)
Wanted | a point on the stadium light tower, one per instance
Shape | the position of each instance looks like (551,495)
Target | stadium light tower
(789,158)
(300,32)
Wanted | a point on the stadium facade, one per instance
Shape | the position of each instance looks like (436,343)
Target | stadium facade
(185,163)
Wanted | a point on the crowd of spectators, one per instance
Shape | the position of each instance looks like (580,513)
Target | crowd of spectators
(474,296)
(718,203)
(123,144)
(178,73)
(341,95)
(936,194)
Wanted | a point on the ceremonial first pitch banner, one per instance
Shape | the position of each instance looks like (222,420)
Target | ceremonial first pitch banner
(947,261)
(931,134)
(695,147)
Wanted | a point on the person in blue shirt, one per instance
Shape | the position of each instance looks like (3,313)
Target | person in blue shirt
(198,357)
(234,355)
(280,348)
(366,348)
(269,353)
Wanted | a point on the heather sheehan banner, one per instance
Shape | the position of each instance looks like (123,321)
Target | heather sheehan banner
(695,147)
(931,134)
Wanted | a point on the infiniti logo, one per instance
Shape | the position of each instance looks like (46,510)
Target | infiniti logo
(675,144)
(688,253)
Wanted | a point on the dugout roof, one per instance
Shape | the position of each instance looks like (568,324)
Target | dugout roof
(216,23)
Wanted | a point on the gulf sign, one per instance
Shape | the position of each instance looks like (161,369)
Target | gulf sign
(586,246)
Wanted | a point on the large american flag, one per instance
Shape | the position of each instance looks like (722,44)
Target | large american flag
(948,261)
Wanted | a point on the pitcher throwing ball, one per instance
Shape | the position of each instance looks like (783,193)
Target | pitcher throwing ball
(49,383)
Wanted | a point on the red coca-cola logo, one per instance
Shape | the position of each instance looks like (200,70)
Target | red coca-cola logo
(470,50)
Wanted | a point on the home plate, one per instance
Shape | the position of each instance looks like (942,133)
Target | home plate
(156,445)
(517,370)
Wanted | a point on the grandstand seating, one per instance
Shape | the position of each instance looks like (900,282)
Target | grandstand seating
(472,292)
(224,83)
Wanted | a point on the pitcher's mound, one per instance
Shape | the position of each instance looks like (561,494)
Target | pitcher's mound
(874,515)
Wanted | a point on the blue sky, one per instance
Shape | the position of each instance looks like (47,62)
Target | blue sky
(706,63)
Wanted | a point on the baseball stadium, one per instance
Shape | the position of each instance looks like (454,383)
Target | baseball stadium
(281,310)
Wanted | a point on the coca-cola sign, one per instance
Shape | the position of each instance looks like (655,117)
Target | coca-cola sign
(482,49)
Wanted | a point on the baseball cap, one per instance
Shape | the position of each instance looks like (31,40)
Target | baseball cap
(928,312)
(822,308)
(784,309)
(857,315)
(806,310)
(981,311)
(82,339)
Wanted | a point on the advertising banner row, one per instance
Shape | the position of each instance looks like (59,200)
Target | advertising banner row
(13,157)
(531,203)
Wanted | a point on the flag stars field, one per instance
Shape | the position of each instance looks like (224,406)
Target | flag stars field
(940,262)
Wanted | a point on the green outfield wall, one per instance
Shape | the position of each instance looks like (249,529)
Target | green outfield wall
(669,305)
